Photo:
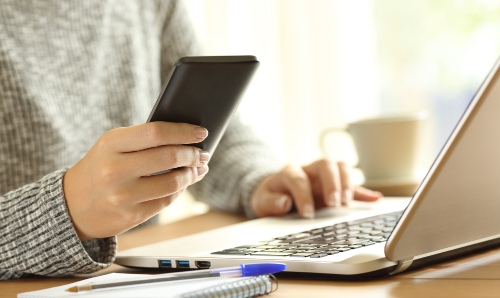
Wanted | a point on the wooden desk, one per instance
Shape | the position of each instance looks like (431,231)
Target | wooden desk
(474,276)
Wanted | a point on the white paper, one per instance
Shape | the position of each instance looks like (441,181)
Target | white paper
(162,289)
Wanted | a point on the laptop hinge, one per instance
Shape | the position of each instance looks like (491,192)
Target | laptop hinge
(402,266)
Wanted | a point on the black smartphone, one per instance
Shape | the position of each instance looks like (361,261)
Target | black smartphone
(205,91)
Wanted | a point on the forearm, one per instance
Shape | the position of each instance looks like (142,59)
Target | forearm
(38,236)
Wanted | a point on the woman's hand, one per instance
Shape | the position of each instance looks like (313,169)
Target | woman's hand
(111,189)
(322,183)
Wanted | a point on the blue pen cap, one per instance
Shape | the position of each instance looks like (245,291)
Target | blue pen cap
(261,268)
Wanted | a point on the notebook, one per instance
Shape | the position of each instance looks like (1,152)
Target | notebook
(455,210)
(205,287)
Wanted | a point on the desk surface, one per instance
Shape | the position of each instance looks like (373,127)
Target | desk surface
(477,275)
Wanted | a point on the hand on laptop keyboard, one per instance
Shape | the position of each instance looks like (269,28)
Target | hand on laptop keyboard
(319,184)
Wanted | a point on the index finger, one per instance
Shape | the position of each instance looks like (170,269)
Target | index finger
(329,176)
(299,187)
(153,134)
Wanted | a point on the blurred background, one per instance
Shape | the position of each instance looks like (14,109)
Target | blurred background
(325,63)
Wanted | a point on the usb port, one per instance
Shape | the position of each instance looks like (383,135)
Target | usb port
(182,264)
(203,264)
(165,264)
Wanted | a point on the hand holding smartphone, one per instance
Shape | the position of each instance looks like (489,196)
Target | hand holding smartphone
(107,192)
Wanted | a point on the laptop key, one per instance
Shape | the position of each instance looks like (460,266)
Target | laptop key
(353,241)
(317,231)
(367,243)
(270,253)
(341,249)
(355,246)
(274,250)
(332,252)
(321,255)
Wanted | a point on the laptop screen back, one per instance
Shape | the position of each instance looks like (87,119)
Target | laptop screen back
(459,200)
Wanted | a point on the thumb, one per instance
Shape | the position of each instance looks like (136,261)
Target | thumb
(272,204)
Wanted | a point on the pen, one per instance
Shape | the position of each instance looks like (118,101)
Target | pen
(241,271)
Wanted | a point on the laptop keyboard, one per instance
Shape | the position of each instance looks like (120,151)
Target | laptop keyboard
(325,241)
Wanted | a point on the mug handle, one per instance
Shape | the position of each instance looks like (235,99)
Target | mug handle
(327,131)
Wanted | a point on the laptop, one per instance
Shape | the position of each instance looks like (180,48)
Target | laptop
(455,211)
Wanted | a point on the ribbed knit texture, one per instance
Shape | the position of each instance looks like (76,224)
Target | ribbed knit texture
(69,71)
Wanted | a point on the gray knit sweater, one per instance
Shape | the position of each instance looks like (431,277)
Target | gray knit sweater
(69,71)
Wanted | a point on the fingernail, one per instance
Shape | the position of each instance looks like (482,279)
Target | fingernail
(332,200)
(200,132)
(204,157)
(202,170)
(337,195)
(348,197)
(281,202)
(308,211)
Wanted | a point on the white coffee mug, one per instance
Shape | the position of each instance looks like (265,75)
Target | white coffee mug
(388,147)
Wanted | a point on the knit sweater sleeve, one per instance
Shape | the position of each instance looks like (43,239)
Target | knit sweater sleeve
(38,211)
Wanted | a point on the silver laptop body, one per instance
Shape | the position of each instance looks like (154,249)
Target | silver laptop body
(455,210)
